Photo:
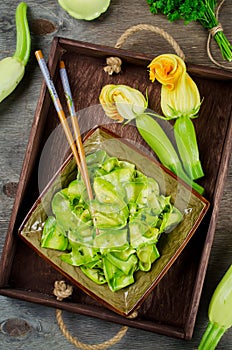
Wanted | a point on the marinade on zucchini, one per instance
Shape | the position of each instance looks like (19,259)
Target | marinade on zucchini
(115,234)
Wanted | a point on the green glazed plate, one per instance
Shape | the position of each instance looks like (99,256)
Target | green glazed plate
(192,205)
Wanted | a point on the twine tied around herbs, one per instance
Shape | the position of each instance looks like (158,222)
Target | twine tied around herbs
(212,32)
(62,291)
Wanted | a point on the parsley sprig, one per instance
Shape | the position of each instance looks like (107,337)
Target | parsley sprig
(203,11)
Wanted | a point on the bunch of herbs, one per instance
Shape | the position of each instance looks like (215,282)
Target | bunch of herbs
(203,11)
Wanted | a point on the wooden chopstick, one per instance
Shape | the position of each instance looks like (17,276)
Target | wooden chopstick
(78,156)
(76,128)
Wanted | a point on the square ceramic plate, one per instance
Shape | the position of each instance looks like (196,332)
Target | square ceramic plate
(170,245)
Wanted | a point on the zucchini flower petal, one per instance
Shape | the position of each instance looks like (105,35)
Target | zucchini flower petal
(179,93)
(180,99)
(183,100)
(167,69)
(122,102)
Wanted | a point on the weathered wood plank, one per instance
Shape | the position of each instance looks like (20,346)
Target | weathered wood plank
(16,115)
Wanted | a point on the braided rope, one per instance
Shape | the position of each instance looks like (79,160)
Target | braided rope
(153,29)
(61,291)
(84,346)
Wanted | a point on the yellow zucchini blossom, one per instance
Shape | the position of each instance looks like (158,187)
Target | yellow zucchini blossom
(122,102)
(180,100)
(179,93)
(167,69)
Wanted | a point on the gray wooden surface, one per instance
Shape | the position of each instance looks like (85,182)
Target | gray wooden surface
(16,115)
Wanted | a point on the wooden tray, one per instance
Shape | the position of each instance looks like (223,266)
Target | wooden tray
(25,275)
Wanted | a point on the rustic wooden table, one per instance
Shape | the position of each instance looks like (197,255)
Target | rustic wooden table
(24,325)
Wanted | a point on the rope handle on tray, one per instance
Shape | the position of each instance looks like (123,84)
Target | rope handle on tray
(114,63)
(61,291)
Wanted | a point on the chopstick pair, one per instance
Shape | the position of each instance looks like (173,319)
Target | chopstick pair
(75,145)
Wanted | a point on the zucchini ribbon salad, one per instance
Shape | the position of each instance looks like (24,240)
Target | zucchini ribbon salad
(130,215)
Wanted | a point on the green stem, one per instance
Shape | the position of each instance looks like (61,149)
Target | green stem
(210,21)
(186,140)
(159,142)
(211,337)
(23,44)
(224,45)
(182,175)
